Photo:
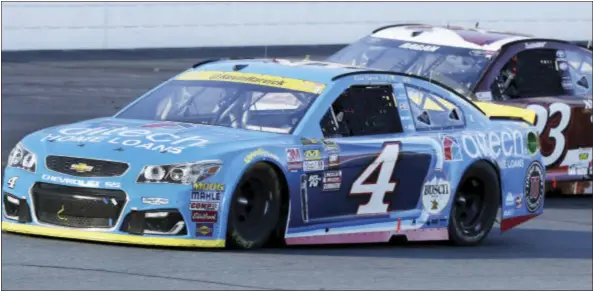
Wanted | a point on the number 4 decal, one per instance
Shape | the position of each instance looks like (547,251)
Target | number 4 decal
(555,133)
(387,161)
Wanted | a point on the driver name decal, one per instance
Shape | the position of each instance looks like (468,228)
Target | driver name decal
(123,136)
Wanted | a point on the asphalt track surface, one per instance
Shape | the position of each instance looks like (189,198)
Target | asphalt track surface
(554,251)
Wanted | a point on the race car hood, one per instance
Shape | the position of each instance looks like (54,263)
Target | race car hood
(141,141)
(504,111)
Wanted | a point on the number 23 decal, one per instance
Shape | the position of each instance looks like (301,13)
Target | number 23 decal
(557,132)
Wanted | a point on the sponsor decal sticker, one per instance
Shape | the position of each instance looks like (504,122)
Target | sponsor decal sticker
(333,161)
(124,136)
(204,206)
(330,146)
(72,181)
(436,193)
(534,187)
(534,45)
(419,47)
(509,200)
(311,155)
(207,196)
(209,186)
(311,166)
(332,180)
(309,141)
(293,155)
(260,153)
(451,148)
(519,201)
(313,181)
(256,79)
(12,182)
(204,216)
(204,229)
(512,163)
(155,201)
(507,143)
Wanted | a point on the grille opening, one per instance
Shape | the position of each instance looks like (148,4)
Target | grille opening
(92,167)
(157,221)
(11,206)
(16,208)
(76,206)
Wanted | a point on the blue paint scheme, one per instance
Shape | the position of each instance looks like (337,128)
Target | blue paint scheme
(421,156)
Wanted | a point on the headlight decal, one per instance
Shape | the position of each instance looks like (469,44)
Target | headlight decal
(22,158)
(187,173)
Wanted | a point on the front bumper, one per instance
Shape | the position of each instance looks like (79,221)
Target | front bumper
(108,237)
(93,215)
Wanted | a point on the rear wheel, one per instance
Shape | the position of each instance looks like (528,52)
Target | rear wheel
(255,208)
(475,205)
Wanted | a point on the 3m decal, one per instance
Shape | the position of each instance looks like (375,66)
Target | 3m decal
(552,132)
(534,187)
(256,79)
(386,160)
(293,155)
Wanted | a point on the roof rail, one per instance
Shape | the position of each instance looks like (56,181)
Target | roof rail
(410,76)
(397,25)
(217,60)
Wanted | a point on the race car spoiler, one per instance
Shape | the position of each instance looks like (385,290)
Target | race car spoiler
(498,111)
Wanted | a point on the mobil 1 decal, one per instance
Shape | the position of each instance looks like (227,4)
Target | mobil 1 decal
(388,179)
(534,186)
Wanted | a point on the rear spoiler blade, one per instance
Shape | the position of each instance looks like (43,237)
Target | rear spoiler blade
(506,112)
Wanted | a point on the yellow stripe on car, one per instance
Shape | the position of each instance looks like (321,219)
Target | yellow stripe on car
(109,237)
(497,110)
(256,79)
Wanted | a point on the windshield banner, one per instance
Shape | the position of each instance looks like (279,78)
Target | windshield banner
(255,79)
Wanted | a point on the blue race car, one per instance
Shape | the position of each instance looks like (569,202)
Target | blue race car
(243,153)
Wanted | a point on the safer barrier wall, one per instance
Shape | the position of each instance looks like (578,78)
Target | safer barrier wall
(50,26)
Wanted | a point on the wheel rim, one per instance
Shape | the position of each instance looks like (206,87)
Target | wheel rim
(469,209)
(251,208)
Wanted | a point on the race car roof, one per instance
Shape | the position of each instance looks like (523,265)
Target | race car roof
(318,72)
(449,36)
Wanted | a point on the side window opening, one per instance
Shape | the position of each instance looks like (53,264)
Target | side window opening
(361,111)
(531,73)
(432,111)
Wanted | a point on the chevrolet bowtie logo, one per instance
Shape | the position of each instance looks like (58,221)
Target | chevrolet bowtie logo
(81,167)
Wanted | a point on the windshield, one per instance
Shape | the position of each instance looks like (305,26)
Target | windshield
(231,99)
(458,68)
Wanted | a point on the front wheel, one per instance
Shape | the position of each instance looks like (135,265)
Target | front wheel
(475,205)
(255,208)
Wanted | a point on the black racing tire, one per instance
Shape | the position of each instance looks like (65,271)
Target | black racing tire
(255,208)
(475,205)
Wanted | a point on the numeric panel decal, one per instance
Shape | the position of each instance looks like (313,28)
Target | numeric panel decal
(386,160)
(555,133)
